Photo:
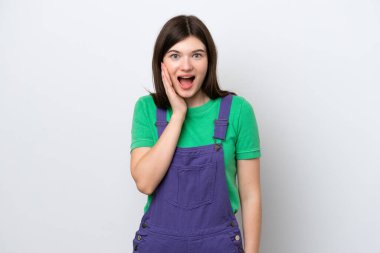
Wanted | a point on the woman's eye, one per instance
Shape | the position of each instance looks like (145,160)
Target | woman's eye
(197,55)
(174,56)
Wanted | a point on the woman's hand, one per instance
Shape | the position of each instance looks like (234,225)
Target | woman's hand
(177,103)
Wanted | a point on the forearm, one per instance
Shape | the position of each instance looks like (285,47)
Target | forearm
(153,166)
(251,217)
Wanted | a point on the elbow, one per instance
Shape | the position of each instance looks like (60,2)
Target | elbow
(145,189)
(143,185)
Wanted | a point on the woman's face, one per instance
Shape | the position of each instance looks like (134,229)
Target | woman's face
(187,62)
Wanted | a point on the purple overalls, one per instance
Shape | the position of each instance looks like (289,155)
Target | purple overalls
(191,210)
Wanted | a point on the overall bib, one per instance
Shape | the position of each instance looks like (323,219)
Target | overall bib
(191,210)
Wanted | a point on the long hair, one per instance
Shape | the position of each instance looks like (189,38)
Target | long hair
(175,30)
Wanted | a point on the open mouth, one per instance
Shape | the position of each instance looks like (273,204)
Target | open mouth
(188,78)
(186,81)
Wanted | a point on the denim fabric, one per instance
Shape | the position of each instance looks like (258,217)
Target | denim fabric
(191,210)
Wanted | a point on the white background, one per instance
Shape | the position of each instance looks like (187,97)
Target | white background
(71,72)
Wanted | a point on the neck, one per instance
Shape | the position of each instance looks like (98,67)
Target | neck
(199,100)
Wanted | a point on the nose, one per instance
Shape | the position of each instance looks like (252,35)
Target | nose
(186,64)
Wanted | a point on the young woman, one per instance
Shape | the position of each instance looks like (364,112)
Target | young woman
(190,140)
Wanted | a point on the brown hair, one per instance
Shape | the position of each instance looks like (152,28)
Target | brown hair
(176,29)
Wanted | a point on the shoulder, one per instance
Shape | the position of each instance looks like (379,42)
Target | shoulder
(242,111)
(239,99)
(145,108)
(240,103)
(146,99)
(145,102)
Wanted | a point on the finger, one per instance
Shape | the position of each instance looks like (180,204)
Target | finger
(166,82)
(166,73)
(163,77)
(166,79)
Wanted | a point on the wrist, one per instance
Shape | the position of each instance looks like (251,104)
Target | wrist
(178,116)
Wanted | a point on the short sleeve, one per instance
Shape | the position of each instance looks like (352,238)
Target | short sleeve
(248,140)
(141,130)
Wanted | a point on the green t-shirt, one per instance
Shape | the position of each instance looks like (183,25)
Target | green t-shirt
(242,137)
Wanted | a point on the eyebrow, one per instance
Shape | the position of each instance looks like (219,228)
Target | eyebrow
(195,51)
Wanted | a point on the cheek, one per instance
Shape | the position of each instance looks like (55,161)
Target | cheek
(203,67)
(173,77)
(171,66)
(172,69)
(204,70)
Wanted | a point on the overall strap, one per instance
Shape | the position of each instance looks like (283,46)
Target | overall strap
(221,123)
(161,121)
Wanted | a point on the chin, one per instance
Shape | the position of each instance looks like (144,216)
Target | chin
(185,94)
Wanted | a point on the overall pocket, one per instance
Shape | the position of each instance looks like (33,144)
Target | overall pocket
(195,185)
